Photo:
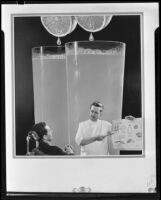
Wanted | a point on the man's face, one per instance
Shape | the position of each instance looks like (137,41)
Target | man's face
(49,136)
(95,113)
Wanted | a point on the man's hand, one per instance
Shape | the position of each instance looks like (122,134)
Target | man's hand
(100,138)
(130,117)
(69,149)
(110,133)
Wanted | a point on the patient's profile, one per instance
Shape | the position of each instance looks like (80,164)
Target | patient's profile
(43,135)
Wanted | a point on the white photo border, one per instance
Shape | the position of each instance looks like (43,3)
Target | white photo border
(79,170)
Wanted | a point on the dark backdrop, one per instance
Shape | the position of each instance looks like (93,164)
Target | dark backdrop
(29,32)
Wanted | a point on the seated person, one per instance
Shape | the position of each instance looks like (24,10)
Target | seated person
(42,133)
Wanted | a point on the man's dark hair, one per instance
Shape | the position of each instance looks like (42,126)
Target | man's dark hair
(40,129)
(97,104)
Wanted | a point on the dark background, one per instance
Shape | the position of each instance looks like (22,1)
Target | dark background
(29,33)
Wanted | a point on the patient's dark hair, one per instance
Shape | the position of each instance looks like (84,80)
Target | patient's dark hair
(40,129)
(97,104)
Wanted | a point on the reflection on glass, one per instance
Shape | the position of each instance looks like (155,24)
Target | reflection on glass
(95,71)
(50,91)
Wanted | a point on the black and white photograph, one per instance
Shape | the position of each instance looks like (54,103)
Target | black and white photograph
(81,77)
(76,96)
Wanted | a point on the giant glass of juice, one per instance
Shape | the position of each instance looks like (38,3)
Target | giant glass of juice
(95,72)
(50,91)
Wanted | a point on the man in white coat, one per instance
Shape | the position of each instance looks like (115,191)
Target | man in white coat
(94,135)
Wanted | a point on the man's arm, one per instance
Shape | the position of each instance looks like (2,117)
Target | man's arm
(91,139)
(81,140)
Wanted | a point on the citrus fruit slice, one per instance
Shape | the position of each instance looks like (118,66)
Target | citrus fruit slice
(59,26)
(93,23)
(108,19)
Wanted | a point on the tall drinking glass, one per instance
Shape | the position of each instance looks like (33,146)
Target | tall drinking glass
(50,91)
(95,71)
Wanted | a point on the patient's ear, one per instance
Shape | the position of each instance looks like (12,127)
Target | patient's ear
(45,137)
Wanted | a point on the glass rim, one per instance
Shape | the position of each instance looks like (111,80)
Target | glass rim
(97,41)
(39,47)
